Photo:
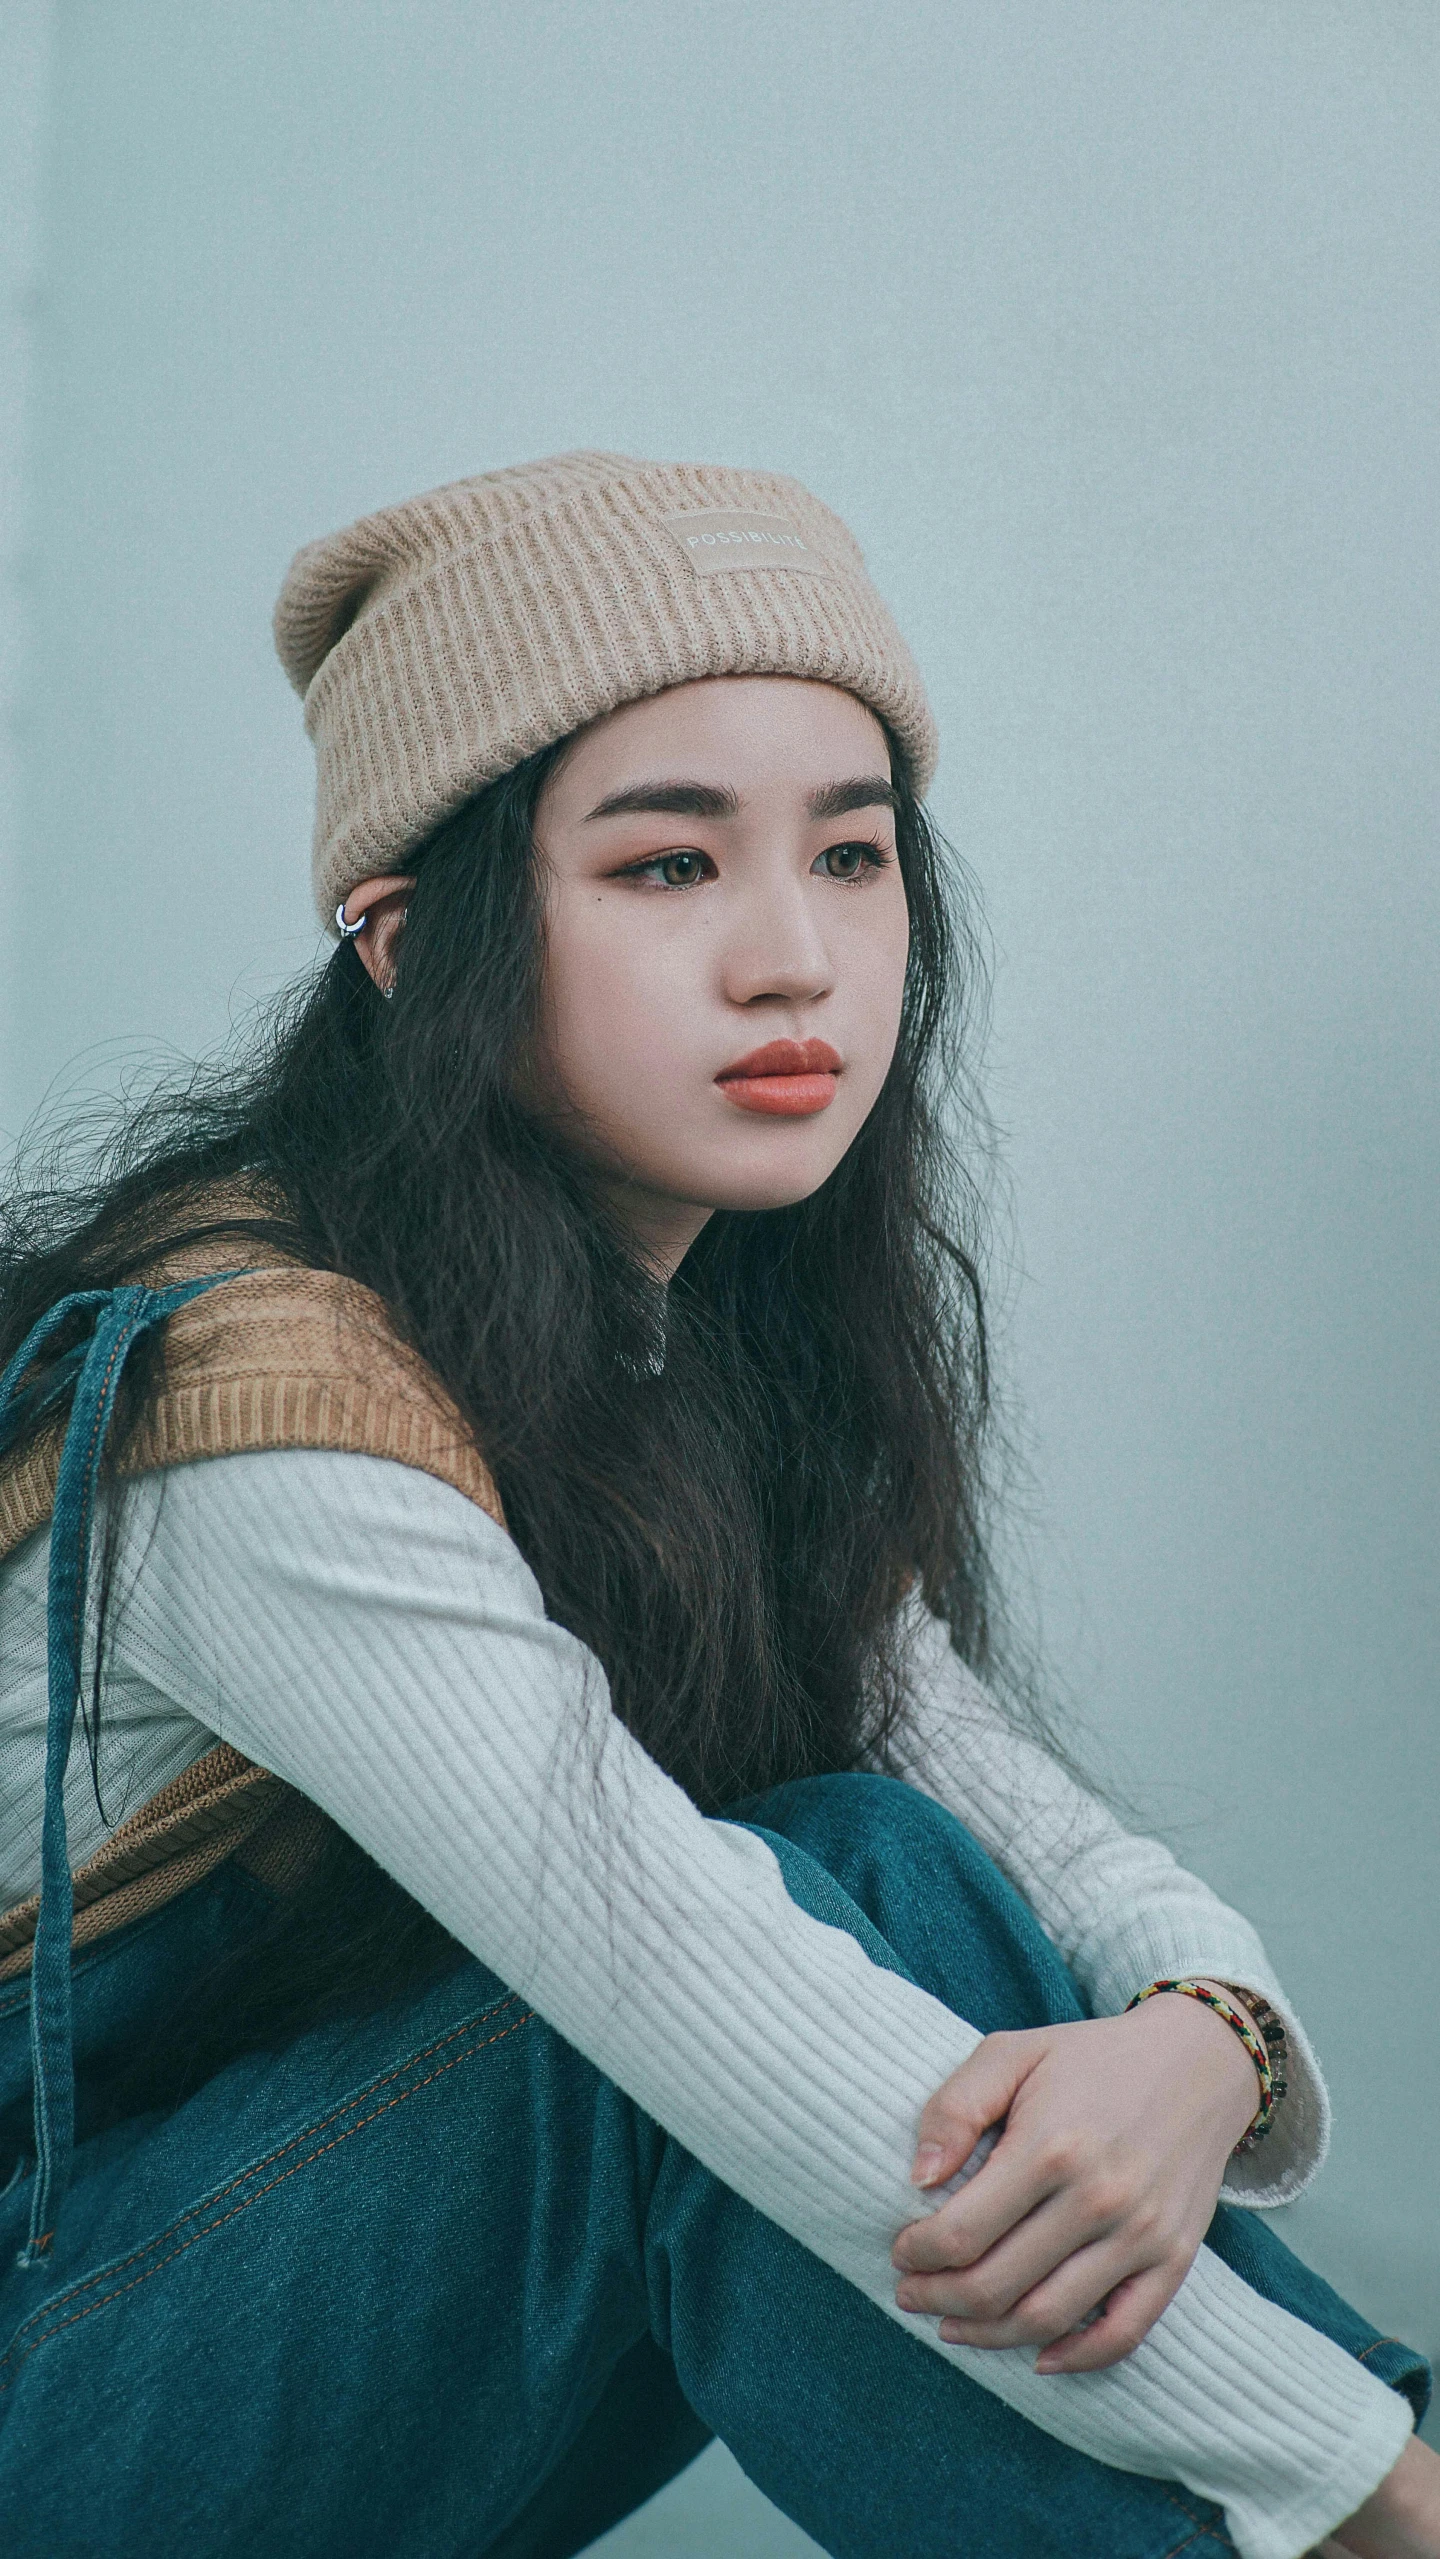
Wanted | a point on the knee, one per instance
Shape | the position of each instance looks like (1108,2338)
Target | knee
(929,1888)
(881,1832)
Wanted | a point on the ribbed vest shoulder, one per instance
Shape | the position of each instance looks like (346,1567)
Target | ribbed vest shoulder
(279,1357)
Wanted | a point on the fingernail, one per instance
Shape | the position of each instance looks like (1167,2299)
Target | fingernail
(929,2161)
(952,2332)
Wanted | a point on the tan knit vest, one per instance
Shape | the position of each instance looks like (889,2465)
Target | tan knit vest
(283,1357)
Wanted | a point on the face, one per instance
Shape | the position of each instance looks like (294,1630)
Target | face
(726,934)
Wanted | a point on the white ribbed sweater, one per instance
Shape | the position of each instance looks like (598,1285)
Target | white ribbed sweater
(370,1635)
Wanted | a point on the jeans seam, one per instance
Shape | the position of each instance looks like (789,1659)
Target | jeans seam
(59,2326)
(1201,2531)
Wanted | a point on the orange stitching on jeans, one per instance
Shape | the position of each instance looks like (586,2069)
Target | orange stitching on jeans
(310,2130)
(236,2209)
(1202,2531)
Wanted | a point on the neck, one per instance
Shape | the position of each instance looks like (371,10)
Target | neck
(659,1230)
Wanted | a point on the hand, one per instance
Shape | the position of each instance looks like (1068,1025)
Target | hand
(1097,2194)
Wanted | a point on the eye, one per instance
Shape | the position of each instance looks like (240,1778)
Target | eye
(851,861)
(672,870)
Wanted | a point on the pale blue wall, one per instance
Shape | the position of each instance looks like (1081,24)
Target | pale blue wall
(1112,330)
(26,28)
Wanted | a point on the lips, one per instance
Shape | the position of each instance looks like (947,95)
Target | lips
(789,1079)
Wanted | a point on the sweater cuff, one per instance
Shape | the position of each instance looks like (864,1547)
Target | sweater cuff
(1366,2452)
(1238,2400)
(1292,2153)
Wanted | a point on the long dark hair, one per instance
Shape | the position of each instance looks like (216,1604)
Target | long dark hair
(729,1531)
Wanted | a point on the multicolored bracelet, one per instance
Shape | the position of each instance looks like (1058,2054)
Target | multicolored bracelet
(1271,2030)
(1250,2016)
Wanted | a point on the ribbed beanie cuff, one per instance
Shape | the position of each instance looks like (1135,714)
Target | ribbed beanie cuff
(441,641)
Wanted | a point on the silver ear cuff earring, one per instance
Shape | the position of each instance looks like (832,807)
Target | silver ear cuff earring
(347,933)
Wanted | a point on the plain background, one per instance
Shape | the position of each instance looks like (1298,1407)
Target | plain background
(1110,325)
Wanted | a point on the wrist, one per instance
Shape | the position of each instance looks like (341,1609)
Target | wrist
(1270,2027)
(1251,2075)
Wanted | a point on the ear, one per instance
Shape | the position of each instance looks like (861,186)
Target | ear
(378,907)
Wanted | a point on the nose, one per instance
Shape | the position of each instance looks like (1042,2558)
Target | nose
(775,947)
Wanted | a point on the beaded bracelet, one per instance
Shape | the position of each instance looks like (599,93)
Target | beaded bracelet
(1272,2032)
(1260,2031)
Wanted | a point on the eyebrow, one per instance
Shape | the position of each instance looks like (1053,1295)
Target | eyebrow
(710,799)
(669,799)
(868,791)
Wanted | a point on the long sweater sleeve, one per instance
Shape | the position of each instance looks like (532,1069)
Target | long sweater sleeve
(1119,1908)
(374,1638)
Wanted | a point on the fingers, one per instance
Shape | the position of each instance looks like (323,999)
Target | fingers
(1049,2310)
(1118,2308)
(1078,2228)
(1019,2177)
(1052,2309)
(973,2098)
(1127,2315)
(988,2287)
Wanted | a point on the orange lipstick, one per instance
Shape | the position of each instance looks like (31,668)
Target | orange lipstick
(789,1079)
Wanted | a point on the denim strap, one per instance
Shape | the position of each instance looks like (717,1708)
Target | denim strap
(123,1314)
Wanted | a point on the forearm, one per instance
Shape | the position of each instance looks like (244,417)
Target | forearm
(466,1742)
(1117,1906)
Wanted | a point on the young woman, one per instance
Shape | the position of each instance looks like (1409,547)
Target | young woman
(547,1949)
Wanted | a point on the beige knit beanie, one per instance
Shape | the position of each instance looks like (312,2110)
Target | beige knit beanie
(440,642)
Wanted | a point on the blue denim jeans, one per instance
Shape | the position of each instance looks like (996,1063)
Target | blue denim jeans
(425,2283)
